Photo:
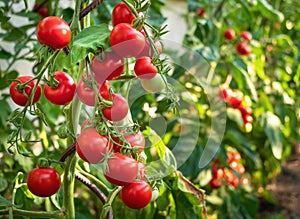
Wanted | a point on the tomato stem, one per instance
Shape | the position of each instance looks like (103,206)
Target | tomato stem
(32,214)
(109,202)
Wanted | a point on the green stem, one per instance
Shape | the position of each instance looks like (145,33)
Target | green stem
(34,214)
(109,202)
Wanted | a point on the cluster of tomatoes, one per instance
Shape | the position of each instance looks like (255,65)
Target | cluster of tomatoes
(233,174)
(236,100)
(242,47)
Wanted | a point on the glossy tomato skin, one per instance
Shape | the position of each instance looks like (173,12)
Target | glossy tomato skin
(144,68)
(43,10)
(111,67)
(54,32)
(18,96)
(136,195)
(118,110)
(122,169)
(127,41)
(43,182)
(135,140)
(246,35)
(122,14)
(64,92)
(229,34)
(91,146)
(86,92)
(243,49)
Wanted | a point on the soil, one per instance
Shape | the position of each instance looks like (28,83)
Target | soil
(286,190)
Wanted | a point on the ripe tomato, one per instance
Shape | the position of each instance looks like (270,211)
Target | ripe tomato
(54,32)
(118,110)
(41,10)
(144,68)
(155,84)
(135,140)
(91,146)
(246,35)
(86,93)
(245,110)
(243,48)
(248,119)
(109,68)
(229,34)
(122,14)
(122,169)
(244,180)
(136,195)
(200,12)
(64,92)
(226,94)
(21,97)
(236,100)
(43,182)
(127,41)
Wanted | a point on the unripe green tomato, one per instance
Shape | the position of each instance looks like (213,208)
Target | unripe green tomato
(155,84)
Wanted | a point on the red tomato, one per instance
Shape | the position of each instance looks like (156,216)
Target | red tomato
(91,146)
(122,14)
(135,140)
(41,10)
(226,94)
(244,180)
(243,48)
(229,34)
(54,32)
(127,41)
(136,195)
(200,12)
(246,35)
(86,93)
(118,110)
(64,92)
(43,182)
(122,169)
(21,97)
(245,110)
(248,119)
(144,68)
(235,100)
(109,68)
(215,183)
(240,168)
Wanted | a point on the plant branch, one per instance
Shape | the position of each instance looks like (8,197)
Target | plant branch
(34,214)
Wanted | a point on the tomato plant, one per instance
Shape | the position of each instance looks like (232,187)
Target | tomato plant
(63,92)
(43,182)
(54,32)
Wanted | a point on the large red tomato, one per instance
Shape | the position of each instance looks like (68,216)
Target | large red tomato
(144,68)
(21,97)
(122,14)
(54,32)
(122,169)
(86,92)
(109,68)
(127,41)
(64,92)
(136,195)
(43,182)
(91,146)
(118,110)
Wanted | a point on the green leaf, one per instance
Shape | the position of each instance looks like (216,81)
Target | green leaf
(158,144)
(89,40)
(5,54)
(269,11)
(272,126)
(210,53)
(3,184)
(241,76)
(4,202)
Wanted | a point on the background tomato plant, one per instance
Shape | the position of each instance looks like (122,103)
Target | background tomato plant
(268,79)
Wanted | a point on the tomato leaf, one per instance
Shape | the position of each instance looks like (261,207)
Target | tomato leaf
(272,126)
(90,39)
(269,11)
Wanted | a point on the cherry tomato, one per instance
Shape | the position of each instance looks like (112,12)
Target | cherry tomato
(135,140)
(244,180)
(200,12)
(240,169)
(155,84)
(91,146)
(127,41)
(136,195)
(118,110)
(109,68)
(21,97)
(64,92)
(246,35)
(144,68)
(248,119)
(86,93)
(54,32)
(43,182)
(122,14)
(243,48)
(245,110)
(229,34)
(122,169)
(42,10)
(215,183)
(235,100)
